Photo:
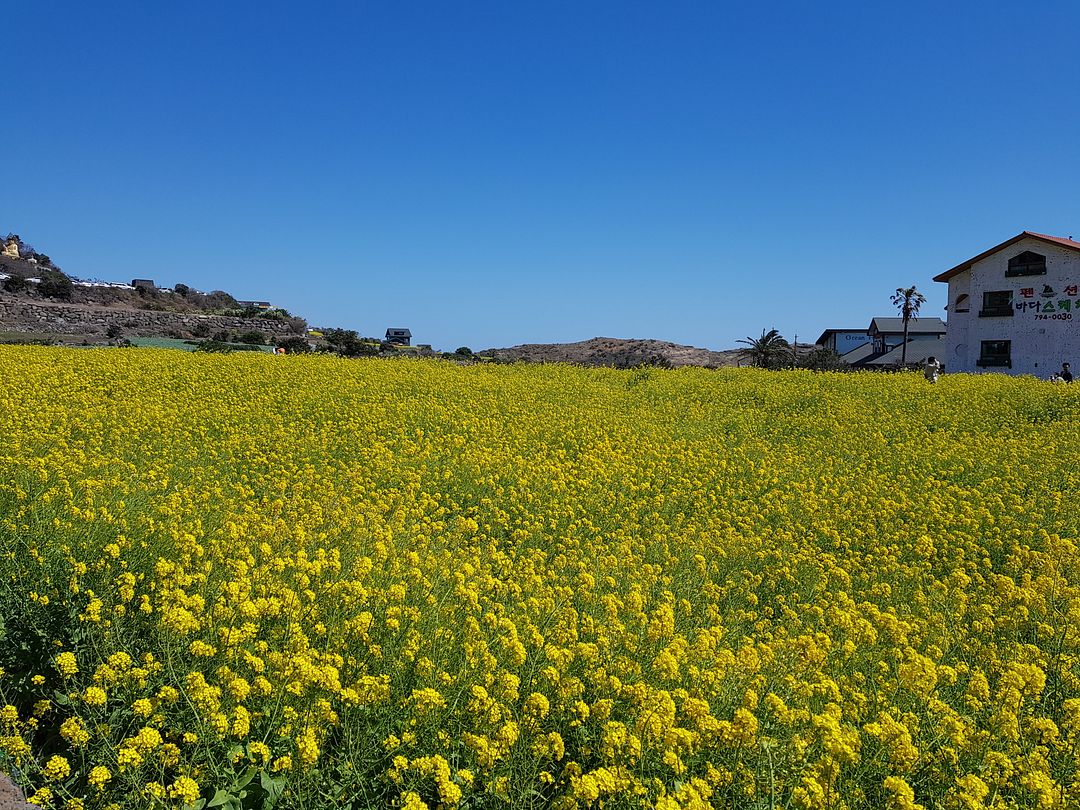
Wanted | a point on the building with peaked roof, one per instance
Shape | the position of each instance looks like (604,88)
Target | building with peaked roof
(881,344)
(858,356)
(398,335)
(918,351)
(1015,308)
(888,333)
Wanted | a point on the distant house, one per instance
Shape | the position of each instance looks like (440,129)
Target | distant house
(402,337)
(884,346)
(888,333)
(918,351)
(843,341)
(143,284)
(255,304)
(881,344)
(1012,307)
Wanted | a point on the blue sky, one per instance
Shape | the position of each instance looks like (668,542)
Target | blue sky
(492,173)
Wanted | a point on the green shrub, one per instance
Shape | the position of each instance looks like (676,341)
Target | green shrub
(217,346)
(253,337)
(15,284)
(55,284)
(294,345)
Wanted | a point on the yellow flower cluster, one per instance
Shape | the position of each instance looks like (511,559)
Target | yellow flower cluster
(413,584)
(66,663)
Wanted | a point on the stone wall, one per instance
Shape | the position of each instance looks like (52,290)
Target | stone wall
(23,315)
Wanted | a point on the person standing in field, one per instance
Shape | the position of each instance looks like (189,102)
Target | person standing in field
(932,369)
(1065,374)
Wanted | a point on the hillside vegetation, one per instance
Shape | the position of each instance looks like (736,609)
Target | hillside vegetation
(617,353)
(35,275)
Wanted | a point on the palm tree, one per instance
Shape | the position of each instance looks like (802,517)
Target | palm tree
(768,351)
(907,301)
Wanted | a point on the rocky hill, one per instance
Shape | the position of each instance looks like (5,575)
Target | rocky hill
(39,300)
(616,352)
(27,273)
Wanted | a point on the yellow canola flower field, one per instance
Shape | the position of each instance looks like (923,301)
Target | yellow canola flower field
(248,581)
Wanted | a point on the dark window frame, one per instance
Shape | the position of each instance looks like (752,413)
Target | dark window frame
(995,358)
(1027,263)
(997,304)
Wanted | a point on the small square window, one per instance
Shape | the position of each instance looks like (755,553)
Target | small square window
(995,353)
(996,303)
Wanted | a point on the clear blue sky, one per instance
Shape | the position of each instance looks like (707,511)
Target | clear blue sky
(492,173)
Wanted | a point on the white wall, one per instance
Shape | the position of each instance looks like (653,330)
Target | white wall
(1041,340)
(844,342)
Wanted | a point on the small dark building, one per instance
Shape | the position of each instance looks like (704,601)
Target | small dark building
(255,304)
(143,283)
(402,337)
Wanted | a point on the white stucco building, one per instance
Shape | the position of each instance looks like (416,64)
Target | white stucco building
(1015,308)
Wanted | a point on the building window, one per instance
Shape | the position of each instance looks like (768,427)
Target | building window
(996,303)
(1027,264)
(995,353)
(963,303)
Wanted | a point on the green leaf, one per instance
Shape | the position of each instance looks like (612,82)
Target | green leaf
(273,787)
(245,778)
(221,798)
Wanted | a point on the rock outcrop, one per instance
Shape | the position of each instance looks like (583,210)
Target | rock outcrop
(11,798)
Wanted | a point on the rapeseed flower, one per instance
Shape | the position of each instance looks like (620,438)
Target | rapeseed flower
(644,588)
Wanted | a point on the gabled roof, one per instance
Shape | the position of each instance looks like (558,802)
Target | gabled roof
(916,326)
(917,352)
(859,353)
(1060,241)
(398,331)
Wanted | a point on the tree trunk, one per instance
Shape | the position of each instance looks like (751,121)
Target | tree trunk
(903,349)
